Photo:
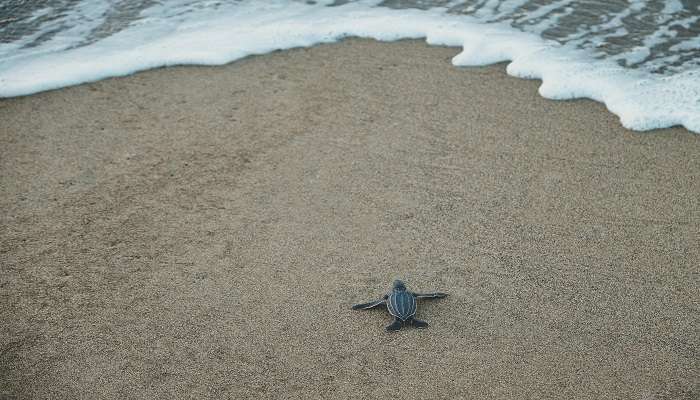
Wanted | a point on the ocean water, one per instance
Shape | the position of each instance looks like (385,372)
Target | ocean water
(641,58)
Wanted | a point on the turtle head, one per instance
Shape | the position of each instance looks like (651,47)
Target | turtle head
(399,285)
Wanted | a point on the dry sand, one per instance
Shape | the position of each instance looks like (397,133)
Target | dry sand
(202,232)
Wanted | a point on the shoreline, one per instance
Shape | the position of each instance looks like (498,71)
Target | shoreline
(203,231)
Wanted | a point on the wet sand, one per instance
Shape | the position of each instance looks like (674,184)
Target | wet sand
(201,232)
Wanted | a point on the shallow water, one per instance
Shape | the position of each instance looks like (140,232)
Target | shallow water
(657,36)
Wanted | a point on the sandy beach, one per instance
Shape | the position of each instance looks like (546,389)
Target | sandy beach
(202,232)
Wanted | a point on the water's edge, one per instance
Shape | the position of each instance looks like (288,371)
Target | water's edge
(641,101)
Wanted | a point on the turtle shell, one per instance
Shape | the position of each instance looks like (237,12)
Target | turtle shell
(401,304)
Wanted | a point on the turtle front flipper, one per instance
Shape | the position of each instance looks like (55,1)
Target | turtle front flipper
(395,326)
(367,306)
(436,295)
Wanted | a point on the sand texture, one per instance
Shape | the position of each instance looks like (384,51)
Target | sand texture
(201,232)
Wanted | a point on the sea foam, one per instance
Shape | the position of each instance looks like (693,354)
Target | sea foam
(166,36)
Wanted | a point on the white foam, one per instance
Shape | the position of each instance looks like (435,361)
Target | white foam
(672,6)
(177,35)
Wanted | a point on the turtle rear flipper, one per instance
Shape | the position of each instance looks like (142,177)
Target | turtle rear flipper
(395,326)
(418,323)
(367,306)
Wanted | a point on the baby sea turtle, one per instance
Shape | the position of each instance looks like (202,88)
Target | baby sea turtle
(402,305)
